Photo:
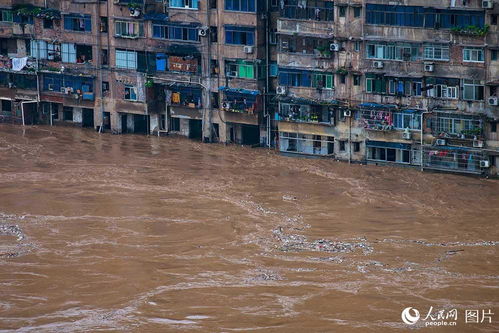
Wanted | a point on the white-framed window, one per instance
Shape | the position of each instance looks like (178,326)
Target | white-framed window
(126,59)
(444,91)
(473,54)
(38,49)
(473,90)
(401,51)
(130,93)
(68,52)
(436,52)
(129,29)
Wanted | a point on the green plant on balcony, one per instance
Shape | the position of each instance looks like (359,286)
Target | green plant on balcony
(149,84)
(323,51)
(134,5)
(472,132)
(27,10)
(341,71)
(471,30)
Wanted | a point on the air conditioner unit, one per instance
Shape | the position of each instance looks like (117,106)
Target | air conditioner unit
(232,74)
(406,135)
(203,32)
(63,90)
(248,49)
(335,47)
(487,4)
(226,106)
(477,144)
(284,45)
(116,2)
(493,100)
(281,90)
(440,142)
(429,67)
(135,12)
(11,85)
(347,113)
(378,64)
(484,164)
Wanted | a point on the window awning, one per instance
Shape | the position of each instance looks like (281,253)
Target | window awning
(156,17)
(183,50)
(384,144)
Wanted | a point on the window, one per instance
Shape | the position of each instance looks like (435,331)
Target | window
(103,24)
(104,57)
(375,84)
(398,51)
(436,52)
(356,45)
(6,105)
(175,124)
(443,91)
(403,120)
(323,81)
(343,78)
(388,154)
(473,90)
(76,22)
(48,24)
(176,32)
(454,123)
(67,113)
(318,10)
(130,93)
(129,29)
(189,4)
(305,45)
(126,59)
(105,86)
(493,126)
(5,15)
(342,145)
(404,87)
(472,54)
(493,55)
(418,16)
(240,69)
(342,11)
(68,52)
(356,80)
(356,146)
(493,19)
(356,11)
(240,5)
(239,35)
(214,34)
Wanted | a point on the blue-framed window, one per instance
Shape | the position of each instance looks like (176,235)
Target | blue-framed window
(161,62)
(54,82)
(295,78)
(77,22)
(175,32)
(417,16)
(240,5)
(237,35)
(319,10)
(188,4)
(22,19)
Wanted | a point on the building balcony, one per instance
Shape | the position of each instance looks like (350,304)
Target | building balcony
(322,29)
(312,61)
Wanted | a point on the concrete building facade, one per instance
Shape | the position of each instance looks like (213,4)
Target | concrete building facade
(408,82)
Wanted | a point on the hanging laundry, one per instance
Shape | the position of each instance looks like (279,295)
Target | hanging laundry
(19,63)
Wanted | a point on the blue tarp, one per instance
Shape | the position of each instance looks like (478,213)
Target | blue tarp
(158,17)
(377,106)
(239,91)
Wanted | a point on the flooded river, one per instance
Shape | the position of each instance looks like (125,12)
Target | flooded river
(144,234)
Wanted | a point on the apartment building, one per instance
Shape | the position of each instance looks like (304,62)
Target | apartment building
(407,82)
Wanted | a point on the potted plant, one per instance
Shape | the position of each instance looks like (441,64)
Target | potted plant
(135,9)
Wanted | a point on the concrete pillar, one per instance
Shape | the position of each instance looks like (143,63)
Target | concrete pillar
(77,115)
(115,122)
(130,122)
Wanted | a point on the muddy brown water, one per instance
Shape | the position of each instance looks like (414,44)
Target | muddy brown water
(146,234)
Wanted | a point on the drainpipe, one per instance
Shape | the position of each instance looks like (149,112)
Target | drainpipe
(349,137)
(267,71)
